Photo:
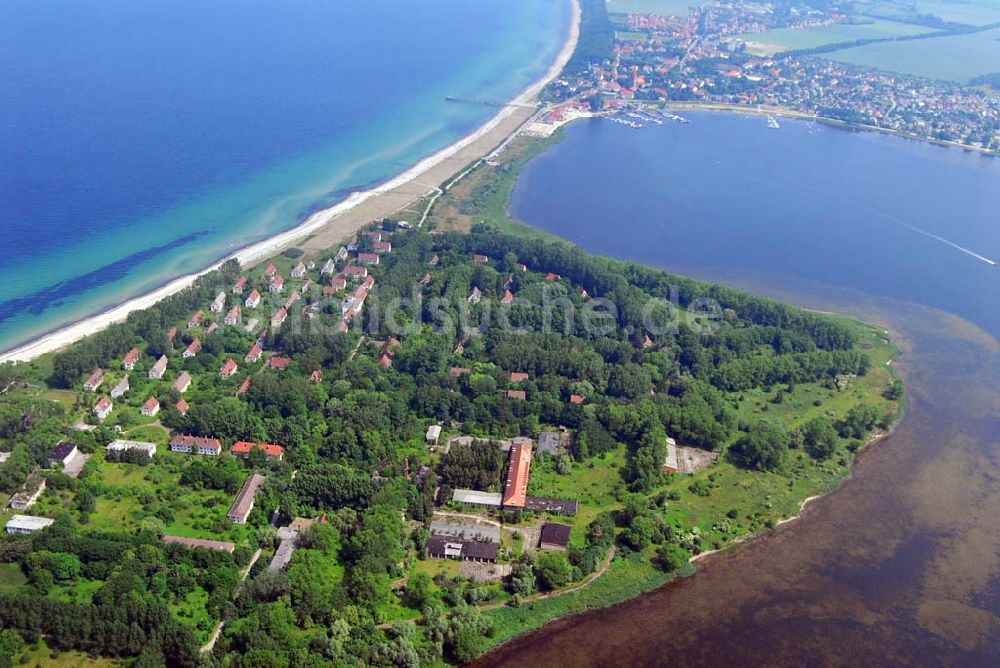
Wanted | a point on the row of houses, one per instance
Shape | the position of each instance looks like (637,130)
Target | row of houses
(213,447)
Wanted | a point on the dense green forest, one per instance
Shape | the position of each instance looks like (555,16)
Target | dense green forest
(647,355)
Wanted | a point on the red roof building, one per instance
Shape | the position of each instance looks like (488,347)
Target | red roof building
(151,407)
(576,399)
(518,377)
(243,448)
(279,362)
(370,259)
(515,491)
(94,381)
(235,316)
(316,377)
(271,270)
(130,359)
(516,394)
(253,299)
(355,273)
(254,354)
(103,408)
(182,407)
(196,319)
(244,386)
(183,382)
(228,368)
(240,284)
(480,259)
(193,349)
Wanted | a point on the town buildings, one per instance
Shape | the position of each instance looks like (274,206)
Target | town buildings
(243,449)
(102,409)
(196,445)
(33,488)
(243,505)
(94,381)
(27,524)
(119,446)
(157,370)
(63,454)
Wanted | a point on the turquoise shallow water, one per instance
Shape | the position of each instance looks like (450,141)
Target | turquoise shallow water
(147,138)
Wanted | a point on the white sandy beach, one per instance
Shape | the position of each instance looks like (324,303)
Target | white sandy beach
(329,226)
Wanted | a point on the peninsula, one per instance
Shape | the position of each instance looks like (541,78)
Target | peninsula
(405,432)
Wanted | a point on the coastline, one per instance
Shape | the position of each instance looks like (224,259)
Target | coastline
(834,122)
(328,226)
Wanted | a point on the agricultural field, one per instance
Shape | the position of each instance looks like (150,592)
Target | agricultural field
(967,12)
(668,7)
(952,58)
(787,39)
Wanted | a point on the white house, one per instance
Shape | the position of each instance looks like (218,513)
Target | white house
(218,303)
(27,524)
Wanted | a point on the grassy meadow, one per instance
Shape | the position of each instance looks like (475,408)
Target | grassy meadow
(951,58)
(788,39)
(668,7)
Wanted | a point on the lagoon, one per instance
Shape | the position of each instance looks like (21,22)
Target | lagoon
(808,202)
(899,566)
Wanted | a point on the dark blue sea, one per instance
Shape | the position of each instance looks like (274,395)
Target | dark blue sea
(725,197)
(144,139)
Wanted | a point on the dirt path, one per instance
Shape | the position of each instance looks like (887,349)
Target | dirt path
(561,592)
(210,645)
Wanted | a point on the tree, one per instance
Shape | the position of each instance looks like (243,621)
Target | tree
(418,591)
(763,448)
(466,644)
(522,579)
(552,570)
(670,557)
(859,421)
(819,437)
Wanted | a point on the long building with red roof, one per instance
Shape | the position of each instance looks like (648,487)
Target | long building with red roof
(243,449)
(515,491)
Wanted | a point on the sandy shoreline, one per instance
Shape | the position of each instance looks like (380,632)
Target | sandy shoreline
(329,226)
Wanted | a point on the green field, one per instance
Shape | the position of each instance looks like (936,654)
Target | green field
(968,12)
(669,7)
(953,58)
(785,39)
(625,34)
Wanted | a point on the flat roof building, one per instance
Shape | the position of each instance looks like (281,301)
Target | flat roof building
(476,498)
(483,532)
(27,524)
(554,536)
(120,445)
(24,499)
(192,543)
(449,547)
